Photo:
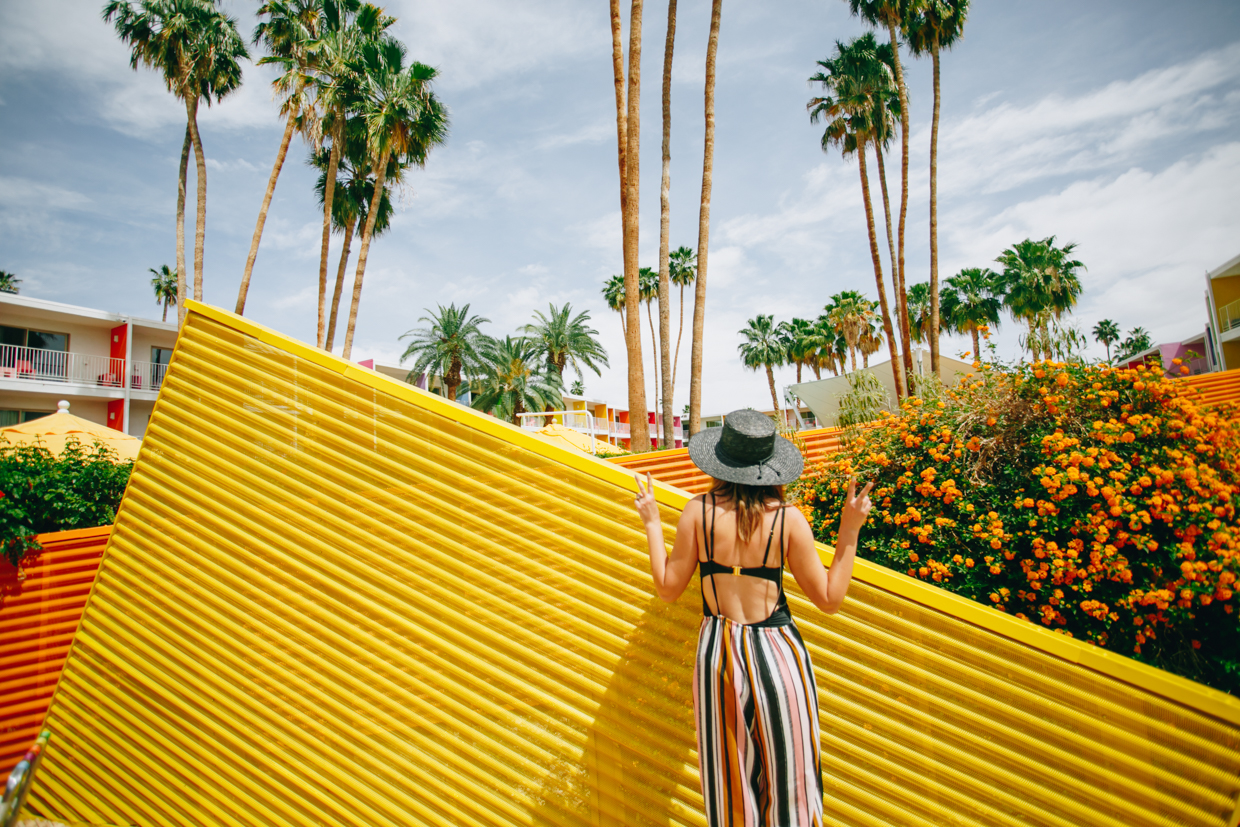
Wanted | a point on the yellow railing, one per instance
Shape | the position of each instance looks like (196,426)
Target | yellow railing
(333,598)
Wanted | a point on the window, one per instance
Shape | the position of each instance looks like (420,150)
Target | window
(42,339)
(161,355)
(8,418)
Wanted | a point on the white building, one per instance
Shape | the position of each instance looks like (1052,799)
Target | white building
(108,366)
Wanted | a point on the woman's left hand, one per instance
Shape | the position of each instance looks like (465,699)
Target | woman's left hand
(647,507)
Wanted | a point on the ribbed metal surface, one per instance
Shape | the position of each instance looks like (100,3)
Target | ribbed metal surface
(38,615)
(674,467)
(1215,388)
(333,599)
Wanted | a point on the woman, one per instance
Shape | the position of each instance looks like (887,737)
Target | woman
(754,697)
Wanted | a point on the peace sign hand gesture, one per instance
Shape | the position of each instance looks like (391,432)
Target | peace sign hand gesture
(856,507)
(647,507)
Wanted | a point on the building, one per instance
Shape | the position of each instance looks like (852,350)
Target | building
(109,366)
(1222,334)
(1193,354)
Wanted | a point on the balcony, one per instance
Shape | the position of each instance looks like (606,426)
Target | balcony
(592,426)
(1229,316)
(38,365)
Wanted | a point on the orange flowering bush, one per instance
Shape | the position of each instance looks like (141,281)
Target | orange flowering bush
(1096,501)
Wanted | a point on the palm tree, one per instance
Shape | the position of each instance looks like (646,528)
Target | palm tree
(1107,332)
(339,82)
(703,247)
(932,26)
(850,313)
(892,15)
(164,284)
(1040,282)
(853,77)
(667,391)
(515,380)
(886,116)
(972,300)
(818,346)
(403,119)
(355,187)
(919,312)
(648,291)
(196,47)
(288,33)
(628,142)
(763,348)
(452,347)
(566,340)
(1137,341)
(871,340)
(682,271)
(613,294)
(8,282)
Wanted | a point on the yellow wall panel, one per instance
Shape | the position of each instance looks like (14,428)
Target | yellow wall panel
(330,598)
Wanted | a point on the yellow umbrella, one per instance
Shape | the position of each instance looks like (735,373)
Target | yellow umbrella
(55,430)
(563,435)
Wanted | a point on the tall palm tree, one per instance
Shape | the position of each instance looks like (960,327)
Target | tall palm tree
(763,348)
(1107,332)
(665,189)
(628,142)
(404,119)
(852,78)
(892,15)
(345,32)
(164,283)
(288,32)
(885,119)
(850,313)
(355,187)
(819,346)
(703,247)
(566,340)
(452,347)
(972,300)
(1040,282)
(935,25)
(8,282)
(648,287)
(515,380)
(197,49)
(682,271)
(919,312)
(800,341)
(613,294)
(1137,341)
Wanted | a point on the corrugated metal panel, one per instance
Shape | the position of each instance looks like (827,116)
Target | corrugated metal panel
(1215,388)
(38,616)
(334,599)
(674,467)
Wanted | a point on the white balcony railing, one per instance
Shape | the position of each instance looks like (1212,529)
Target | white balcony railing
(40,365)
(592,426)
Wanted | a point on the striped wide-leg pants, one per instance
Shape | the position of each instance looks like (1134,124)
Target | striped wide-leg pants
(757,726)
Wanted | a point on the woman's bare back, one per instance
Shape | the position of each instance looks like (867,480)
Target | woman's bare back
(741,598)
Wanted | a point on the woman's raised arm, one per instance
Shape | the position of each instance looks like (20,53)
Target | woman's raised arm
(828,587)
(670,574)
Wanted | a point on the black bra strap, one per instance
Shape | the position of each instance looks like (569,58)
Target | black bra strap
(710,549)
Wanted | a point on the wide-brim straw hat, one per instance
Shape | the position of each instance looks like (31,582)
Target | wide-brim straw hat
(746,450)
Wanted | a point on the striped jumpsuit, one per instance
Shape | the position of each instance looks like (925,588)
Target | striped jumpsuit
(756,707)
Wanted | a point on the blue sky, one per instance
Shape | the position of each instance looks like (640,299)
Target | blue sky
(1111,124)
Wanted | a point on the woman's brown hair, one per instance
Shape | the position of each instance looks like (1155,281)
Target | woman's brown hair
(751,501)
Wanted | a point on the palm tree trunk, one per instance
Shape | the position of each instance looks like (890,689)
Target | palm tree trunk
(665,296)
(934,219)
(904,130)
(770,380)
(680,331)
(878,279)
(897,278)
(703,251)
(165,318)
(817,370)
(852,355)
(639,425)
(329,190)
(262,215)
(367,233)
(200,228)
(654,346)
(798,373)
(184,172)
(349,227)
(977,344)
(617,65)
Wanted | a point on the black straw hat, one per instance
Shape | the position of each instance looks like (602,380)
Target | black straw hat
(747,450)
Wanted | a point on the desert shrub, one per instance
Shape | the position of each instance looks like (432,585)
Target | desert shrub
(1098,502)
(42,492)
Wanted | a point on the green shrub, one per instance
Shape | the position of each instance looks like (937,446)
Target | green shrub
(41,492)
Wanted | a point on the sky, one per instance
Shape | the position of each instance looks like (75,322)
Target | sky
(1110,124)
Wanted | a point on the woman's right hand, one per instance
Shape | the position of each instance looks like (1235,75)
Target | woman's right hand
(856,508)
(647,506)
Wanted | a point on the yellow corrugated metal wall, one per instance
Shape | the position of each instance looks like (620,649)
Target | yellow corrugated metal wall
(330,598)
